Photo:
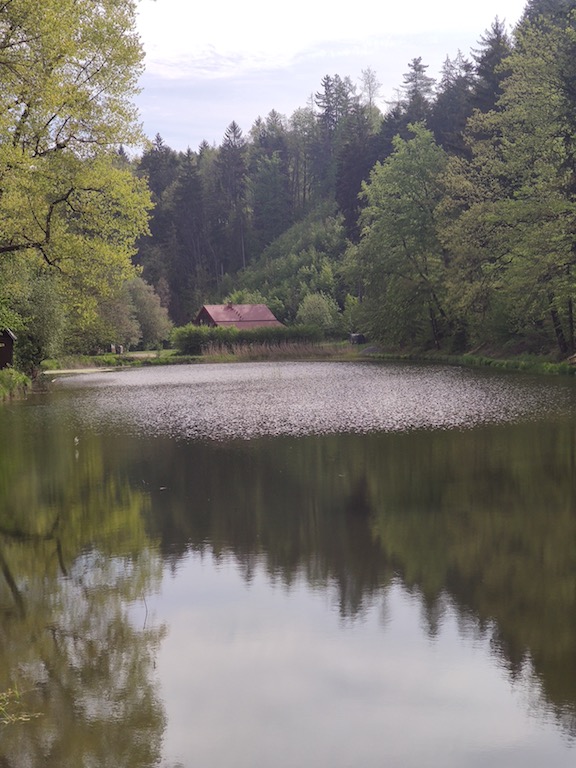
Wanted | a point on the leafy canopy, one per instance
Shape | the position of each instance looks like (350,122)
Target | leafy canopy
(68,70)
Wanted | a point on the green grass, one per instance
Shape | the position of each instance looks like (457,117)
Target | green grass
(527,363)
(108,360)
(215,352)
(12,383)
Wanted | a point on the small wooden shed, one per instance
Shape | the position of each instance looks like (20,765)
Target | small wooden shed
(7,339)
(239,315)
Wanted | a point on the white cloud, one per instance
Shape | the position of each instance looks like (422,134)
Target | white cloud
(175,26)
(209,64)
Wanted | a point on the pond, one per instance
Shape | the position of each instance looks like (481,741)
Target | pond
(290,564)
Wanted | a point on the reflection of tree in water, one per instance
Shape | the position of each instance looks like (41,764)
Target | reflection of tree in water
(489,530)
(88,668)
(294,510)
(481,523)
(74,558)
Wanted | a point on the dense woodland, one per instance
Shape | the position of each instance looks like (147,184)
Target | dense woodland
(446,222)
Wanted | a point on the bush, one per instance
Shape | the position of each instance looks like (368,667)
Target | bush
(189,339)
(321,311)
(50,365)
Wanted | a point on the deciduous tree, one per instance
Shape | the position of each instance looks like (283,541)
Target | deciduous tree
(514,233)
(400,252)
(68,70)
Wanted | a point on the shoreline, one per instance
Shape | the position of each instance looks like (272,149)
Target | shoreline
(349,353)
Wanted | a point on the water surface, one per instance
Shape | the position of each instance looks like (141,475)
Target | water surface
(248,400)
(290,564)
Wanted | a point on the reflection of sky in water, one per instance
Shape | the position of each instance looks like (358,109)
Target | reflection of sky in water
(273,677)
(255,674)
(249,400)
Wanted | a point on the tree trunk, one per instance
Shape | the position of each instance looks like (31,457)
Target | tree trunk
(434,325)
(557,325)
(571,325)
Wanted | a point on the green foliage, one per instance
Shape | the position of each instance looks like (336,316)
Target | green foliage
(8,318)
(188,339)
(489,58)
(463,242)
(351,313)
(417,92)
(400,252)
(12,382)
(195,339)
(151,316)
(71,68)
(319,311)
(42,313)
(453,104)
(272,213)
(304,259)
(70,210)
(510,208)
(47,326)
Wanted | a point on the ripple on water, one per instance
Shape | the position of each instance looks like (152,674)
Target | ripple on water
(247,400)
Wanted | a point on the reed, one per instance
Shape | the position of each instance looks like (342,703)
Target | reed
(12,383)
(261,351)
(12,708)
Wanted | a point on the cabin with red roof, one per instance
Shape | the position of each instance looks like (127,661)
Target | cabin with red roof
(238,315)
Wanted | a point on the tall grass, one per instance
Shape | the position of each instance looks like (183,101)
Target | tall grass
(195,339)
(290,350)
(12,383)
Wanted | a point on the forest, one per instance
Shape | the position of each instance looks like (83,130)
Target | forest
(446,222)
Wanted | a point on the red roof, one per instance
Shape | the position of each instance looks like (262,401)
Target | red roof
(240,315)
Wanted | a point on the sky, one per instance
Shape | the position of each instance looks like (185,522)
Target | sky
(208,64)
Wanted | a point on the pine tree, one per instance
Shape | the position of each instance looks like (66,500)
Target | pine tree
(493,48)
(556,11)
(454,103)
(417,92)
(231,166)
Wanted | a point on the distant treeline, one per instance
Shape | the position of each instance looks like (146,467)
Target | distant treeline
(446,222)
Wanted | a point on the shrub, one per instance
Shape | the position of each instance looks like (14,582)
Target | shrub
(320,310)
(189,339)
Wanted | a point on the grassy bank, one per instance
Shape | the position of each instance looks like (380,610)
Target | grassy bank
(527,363)
(12,384)
(213,353)
(108,360)
(328,350)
